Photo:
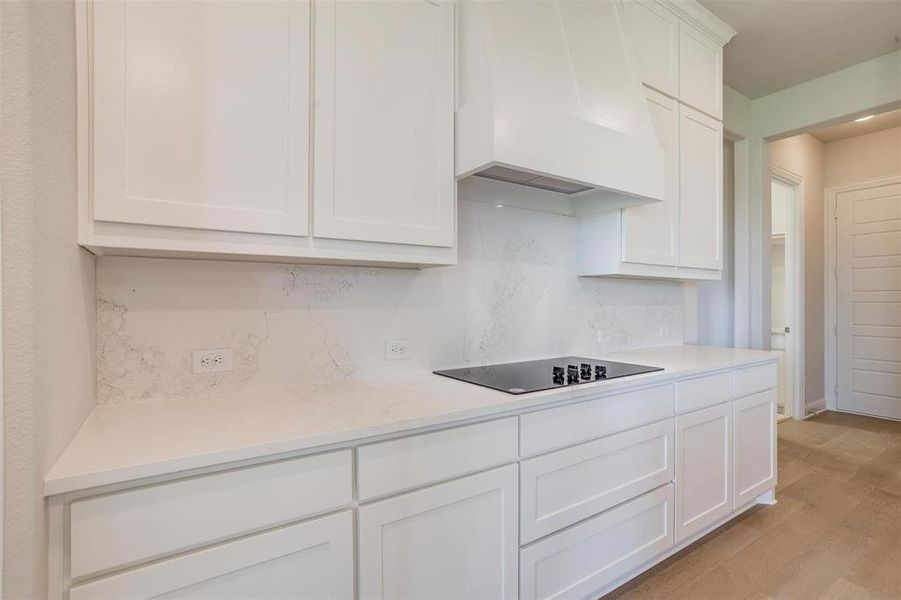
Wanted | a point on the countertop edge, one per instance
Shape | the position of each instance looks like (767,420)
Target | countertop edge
(54,486)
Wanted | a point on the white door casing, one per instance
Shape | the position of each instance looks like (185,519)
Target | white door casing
(866,361)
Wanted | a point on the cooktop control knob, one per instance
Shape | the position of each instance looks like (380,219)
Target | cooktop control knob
(558,375)
(600,372)
(585,371)
(572,374)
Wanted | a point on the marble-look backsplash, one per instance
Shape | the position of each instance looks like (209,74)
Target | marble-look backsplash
(513,296)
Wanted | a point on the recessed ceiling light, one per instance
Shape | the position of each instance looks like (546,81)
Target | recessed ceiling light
(500,205)
(866,118)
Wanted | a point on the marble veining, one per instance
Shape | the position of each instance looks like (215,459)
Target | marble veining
(513,295)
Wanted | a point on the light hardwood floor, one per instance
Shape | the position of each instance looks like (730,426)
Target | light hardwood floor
(834,533)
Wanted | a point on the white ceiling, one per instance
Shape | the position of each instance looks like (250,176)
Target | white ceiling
(886,120)
(781,43)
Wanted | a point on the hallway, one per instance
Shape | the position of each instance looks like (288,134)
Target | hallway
(835,532)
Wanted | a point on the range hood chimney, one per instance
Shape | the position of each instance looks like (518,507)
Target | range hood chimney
(547,98)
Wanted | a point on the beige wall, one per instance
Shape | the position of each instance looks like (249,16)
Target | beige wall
(803,155)
(48,282)
(870,156)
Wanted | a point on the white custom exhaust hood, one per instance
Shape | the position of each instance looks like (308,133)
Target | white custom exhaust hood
(548,98)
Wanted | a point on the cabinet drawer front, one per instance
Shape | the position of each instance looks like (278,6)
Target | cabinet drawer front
(566,486)
(397,465)
(583,560)
(312,560)
(145,523)
(755,379)
(568,425)
(702,392)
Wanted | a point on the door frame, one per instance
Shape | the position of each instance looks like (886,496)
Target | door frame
(796,289)
(830,360)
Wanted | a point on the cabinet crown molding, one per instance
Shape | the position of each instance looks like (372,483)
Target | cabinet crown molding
(700,17)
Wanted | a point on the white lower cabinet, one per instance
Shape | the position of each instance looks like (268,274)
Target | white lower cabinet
(591,493)
(703,469)
(454,540)
(755,446)
(584,559)
(312,560)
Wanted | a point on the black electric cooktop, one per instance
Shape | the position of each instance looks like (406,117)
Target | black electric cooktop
(546,374)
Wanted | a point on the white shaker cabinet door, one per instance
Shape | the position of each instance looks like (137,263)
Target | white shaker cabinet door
(309,561)
(650,230)
(654,33)
(384,122)
(703,469)
(700,70)
(454,540)
(755,446)
(700,190)
(200,114)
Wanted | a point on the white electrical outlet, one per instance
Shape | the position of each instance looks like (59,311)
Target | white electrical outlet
(211,360)
(397,349)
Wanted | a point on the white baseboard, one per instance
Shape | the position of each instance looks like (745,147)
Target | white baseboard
(815,407)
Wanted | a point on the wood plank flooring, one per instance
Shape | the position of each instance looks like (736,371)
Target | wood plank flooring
(834,533)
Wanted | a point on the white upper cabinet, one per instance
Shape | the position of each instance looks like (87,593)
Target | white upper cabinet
(649,231)
(700,71)
(677,49)
(701,190)
(385,122)
(270,130)
(654,32)
(201,114)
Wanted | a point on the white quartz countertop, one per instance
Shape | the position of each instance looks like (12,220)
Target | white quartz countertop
(123,443)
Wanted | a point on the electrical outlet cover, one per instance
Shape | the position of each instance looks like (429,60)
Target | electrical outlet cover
(397,349)
(211,360)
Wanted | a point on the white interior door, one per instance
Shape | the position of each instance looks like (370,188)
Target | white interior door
(782,289)
(868,303)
